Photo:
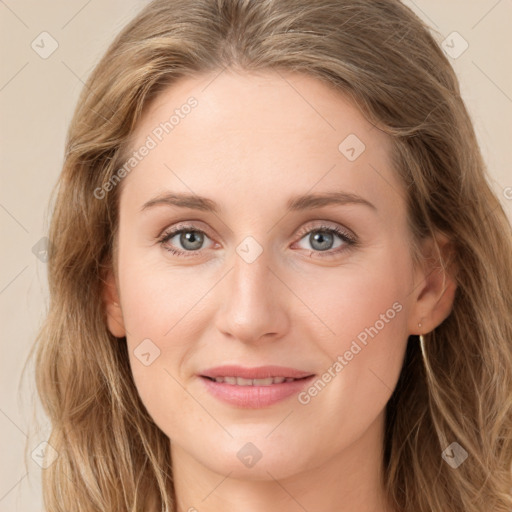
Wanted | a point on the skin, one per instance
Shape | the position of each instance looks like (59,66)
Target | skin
(252,142)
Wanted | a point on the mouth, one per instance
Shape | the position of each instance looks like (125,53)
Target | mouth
(241,381)
(256,388)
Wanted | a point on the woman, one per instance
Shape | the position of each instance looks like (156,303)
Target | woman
(278,276)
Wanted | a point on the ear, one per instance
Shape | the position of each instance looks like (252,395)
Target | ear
(435,286)
(112,306)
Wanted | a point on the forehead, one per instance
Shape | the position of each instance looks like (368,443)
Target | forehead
(258,134)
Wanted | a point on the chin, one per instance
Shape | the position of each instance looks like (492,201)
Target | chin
(247,462)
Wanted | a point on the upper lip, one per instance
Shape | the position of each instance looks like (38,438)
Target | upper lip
(259,372)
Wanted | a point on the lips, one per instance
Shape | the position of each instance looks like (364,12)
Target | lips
(254,388)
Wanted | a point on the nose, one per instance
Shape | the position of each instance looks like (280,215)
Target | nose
(253,301)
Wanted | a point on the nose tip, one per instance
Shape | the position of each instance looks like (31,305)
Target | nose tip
(251,306)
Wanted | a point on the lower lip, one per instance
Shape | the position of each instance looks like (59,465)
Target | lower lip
(254,397)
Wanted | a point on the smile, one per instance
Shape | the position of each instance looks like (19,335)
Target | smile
(254,393)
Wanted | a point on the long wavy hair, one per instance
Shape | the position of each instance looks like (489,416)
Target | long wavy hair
(111,455)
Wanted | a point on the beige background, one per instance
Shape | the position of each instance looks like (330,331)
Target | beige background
(37,97)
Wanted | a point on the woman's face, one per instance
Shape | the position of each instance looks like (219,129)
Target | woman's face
(258,170)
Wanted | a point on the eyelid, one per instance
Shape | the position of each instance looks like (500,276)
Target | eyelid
(192,224)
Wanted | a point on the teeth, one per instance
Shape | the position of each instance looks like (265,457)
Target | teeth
(244,382)
(240,381)
(263,382)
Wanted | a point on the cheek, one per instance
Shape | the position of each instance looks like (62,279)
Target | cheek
(348,300)
(160,311)
(365,309)
(157,346)
(157,298)
(156,304)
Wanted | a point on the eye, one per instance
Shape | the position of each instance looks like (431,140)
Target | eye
(322,239)
(190,238)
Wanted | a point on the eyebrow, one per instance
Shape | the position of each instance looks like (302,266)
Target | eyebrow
(297,203)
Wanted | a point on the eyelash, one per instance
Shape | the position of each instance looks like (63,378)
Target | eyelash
(345,237)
